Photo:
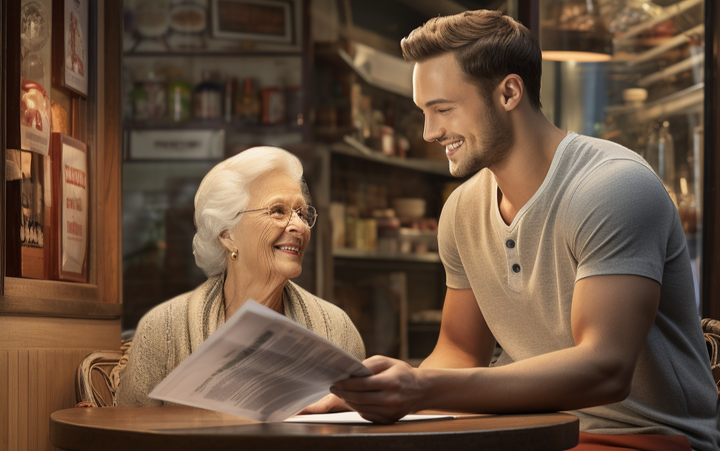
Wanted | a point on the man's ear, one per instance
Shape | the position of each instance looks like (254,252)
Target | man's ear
(512,90)
(227,241)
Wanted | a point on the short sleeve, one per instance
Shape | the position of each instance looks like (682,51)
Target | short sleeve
(455,274)
(619,220)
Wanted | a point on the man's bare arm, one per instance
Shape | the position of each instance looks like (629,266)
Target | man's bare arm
(611,317)
(465,340)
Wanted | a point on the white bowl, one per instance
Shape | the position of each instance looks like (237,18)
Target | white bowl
(410,207)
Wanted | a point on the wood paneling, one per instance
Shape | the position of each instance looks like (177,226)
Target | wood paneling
(59,308)
(110,159)
(38,360)
(37,333)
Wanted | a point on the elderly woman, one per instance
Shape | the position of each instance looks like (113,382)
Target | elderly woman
(253,226)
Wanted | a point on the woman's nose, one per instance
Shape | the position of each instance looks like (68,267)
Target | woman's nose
(296,224)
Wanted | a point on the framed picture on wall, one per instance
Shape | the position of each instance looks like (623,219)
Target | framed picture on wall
(253,20)
(70,45)
(70,218)
(29,59)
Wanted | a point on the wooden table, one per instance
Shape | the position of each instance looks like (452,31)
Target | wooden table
(187,428)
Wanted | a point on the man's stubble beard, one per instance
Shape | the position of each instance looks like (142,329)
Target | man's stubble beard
(495,145)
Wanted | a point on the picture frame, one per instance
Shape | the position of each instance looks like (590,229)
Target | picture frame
(253,20)
(70,63)
(27,215)
(70,229)
(28,75)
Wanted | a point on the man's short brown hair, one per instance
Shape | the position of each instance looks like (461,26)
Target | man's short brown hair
(488,47)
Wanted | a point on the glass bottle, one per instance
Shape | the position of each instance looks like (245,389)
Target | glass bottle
(247,105)
(179,94)
(651,149)
(230,88)
(666,157)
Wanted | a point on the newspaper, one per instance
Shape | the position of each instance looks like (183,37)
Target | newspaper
(259,365)
(355,418)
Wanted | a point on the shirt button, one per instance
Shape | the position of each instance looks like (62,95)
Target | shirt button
(510,244)
(516,268)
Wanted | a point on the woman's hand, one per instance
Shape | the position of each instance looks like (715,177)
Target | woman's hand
(329,403)
(395,390)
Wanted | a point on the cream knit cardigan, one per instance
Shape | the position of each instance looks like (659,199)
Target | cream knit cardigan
(170,332)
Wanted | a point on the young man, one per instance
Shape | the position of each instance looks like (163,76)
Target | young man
(565,249)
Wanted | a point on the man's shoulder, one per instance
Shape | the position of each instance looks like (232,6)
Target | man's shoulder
(594,164)
(592,153)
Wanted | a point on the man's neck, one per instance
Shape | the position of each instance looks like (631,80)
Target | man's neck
(527,164)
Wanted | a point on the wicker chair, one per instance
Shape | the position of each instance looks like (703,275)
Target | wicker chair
(711,328)
(98,375)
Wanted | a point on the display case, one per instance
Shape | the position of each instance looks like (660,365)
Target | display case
(381,188)
(654,94)
(198,89)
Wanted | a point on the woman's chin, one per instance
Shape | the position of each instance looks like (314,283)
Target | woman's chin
(289,271)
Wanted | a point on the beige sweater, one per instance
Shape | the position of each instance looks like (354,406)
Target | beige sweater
(170,332)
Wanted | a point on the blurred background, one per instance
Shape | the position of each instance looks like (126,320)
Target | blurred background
(206,79)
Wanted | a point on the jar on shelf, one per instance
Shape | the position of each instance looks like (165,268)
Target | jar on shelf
(207,98)
(179,101)
(247,104)
(149,98)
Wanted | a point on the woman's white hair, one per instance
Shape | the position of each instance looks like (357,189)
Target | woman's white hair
(225,191)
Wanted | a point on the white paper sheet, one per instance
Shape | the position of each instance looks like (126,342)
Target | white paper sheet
(259,365)
(354,417)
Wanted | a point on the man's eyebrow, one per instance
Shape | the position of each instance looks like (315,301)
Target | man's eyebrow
(436,101)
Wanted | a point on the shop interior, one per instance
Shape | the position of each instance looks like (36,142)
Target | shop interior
(173,87)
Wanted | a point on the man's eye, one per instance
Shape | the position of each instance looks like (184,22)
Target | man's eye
(444,111)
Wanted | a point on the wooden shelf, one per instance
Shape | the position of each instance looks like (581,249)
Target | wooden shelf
(360,254)
(680,102)
(212,124)
(214,53)
(353,148)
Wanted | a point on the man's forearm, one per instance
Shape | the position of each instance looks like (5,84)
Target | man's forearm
(562,380)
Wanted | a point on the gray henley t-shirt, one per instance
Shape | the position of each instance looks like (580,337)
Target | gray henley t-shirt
(600,210)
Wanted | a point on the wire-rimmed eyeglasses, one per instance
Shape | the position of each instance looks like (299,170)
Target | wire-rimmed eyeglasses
(281,214)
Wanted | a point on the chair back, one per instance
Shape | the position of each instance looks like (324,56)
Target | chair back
(711,329)
(98,376)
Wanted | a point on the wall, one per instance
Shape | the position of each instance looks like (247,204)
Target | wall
(38,359)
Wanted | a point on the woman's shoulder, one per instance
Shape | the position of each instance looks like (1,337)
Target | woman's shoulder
(165,312)
(316,305)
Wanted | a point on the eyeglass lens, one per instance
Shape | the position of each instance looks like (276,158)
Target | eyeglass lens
(283,214)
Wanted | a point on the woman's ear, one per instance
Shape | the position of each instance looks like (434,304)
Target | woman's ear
(227,241)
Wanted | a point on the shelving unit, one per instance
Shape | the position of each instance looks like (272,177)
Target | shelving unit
(159,187)
(667,129)
(363,255)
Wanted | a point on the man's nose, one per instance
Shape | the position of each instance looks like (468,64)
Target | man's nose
(432,131)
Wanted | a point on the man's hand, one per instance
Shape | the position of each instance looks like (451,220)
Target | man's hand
(395,390)
(329,403)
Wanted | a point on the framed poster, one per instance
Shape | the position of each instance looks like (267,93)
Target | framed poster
(33,100)
(26,227)
(253,20)
(70,45)
(70,222)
